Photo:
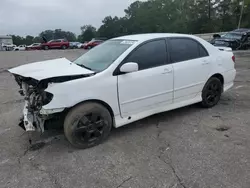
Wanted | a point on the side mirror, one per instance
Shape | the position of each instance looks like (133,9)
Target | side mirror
(129,67)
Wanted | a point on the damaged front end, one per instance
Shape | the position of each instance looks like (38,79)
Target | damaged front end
(34,98)
(34,79)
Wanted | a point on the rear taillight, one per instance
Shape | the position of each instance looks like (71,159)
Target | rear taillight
(233,58)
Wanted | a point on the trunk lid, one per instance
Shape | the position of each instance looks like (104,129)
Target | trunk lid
(222,48)
(50,69)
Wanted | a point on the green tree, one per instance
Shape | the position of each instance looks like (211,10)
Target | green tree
(151,16)
(48,34)
(37,40)
(29,40)
(88,32)
(17,40)
(112,27)
(58,34)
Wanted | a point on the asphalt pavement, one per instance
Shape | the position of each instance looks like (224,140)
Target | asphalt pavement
(189,147)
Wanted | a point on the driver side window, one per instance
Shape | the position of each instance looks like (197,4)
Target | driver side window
(151,54)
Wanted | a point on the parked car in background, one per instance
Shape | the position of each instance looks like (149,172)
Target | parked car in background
(8,47)
(20,48)
(74,45)
(94,42)
(84,44)
(55,44)
(140,75)
(34,46)
(238,39)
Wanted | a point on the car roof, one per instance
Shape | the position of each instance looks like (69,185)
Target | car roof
(149,36)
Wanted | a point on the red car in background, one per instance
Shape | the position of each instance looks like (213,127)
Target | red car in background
(55,44)
(34,46)
(93,43)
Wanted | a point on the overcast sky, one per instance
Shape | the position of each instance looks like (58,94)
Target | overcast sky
(30,17)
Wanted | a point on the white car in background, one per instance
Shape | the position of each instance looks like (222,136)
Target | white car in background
(121,81)
(75,45)
(8,47)
(20,48)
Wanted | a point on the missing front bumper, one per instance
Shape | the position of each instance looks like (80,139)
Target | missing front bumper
(31,121)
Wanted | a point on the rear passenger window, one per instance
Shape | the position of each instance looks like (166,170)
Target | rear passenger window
(151,54)
(203,52)
(183,49)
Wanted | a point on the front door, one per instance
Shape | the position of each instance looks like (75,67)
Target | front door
(152,86)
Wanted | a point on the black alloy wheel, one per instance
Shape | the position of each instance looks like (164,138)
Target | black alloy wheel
(211,93)
(90,128)
(87,125)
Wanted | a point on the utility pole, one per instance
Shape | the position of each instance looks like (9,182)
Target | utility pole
(209,9)
(241,12)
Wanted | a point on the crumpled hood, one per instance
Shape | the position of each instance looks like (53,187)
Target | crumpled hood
(50,69)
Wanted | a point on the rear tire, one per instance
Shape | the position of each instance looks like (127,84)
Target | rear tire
(46,47)
(211,92)
(64,47)
(87,125)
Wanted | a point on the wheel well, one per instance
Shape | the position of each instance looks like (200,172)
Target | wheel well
(220,77)
(100,102)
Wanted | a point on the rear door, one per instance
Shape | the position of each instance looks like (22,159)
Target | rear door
(192,66)
(152,86)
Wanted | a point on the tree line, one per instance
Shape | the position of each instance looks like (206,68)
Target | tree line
(174,16)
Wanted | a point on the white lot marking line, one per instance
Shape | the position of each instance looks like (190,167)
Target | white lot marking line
(239,87)
(242,70)
(3,131)
(4,161)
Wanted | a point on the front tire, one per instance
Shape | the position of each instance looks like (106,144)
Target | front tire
(46,47)
(87,125)
(211,92)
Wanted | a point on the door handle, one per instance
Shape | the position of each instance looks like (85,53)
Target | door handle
(167,71)
(205,63)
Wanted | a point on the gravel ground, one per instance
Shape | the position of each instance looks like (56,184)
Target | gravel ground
(186,148)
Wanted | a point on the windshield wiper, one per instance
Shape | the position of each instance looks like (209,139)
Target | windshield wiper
(84,67)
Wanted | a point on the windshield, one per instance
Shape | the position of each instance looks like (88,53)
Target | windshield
(103,55)
(233,36)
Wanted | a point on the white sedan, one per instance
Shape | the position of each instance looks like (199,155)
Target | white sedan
(121,81)
(20,48)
